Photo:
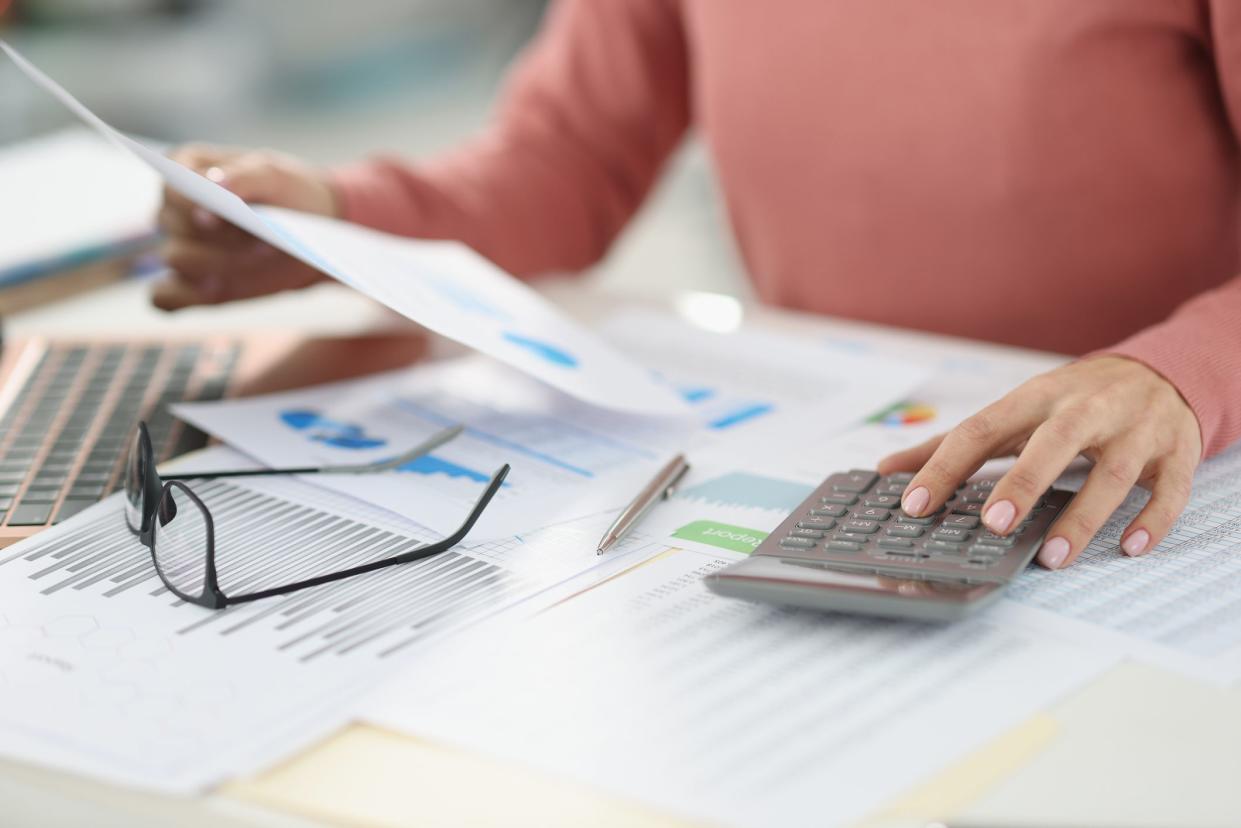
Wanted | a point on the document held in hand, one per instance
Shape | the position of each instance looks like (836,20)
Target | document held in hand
(442,285)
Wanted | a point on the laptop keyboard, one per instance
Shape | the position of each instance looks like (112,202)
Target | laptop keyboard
(66,434)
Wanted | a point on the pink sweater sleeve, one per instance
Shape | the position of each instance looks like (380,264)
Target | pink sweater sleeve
(1198,350)
(589,114)
(1198,347)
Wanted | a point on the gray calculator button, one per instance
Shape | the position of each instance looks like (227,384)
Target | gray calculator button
(882,501)
(852,537)
(996,540)
(984,561)
(863,527)
(961,521)
(982,485)
(900,477)
(984,549)
(967,508)
(904,530)
(872,514)
(844,546)
(896,543)
(951,533)
(820,525)
(843,498)
(974,497)
(896,489)
(828,510)
(805,533)
(856,480)
(901,517)
(797,543)
(943,546)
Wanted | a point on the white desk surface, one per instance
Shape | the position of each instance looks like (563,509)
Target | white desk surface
(1137,748)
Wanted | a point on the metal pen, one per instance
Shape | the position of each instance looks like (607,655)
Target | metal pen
(658,489)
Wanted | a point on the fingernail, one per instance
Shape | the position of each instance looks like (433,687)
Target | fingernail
(1053,553)
(1000,516)
(215,174)
(915,501)
(203,219)
(1136,543)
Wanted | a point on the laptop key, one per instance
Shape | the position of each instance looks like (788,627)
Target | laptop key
(71,507)
(30,514)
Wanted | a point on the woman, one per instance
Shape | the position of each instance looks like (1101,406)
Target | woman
(1055,174)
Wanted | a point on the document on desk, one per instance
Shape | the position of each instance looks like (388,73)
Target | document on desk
(751,387)
(104,673)
(568,459)
(442,285)
(724,711)
(1178,606)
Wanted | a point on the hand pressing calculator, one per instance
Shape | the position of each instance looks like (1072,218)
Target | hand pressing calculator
(849,547)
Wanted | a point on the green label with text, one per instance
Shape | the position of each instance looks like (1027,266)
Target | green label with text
(733,538)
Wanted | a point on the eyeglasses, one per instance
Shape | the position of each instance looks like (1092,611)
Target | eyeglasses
(177,526)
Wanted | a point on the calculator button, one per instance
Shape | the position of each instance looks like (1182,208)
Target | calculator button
(842,498)
(852,537)
(982,561)
(901,517)
(896,543)
(882,501)
(982,485)
(872,514)
(797,543)
(820,525)
(844,546)
(828,511)
(961,521)
(863,527)
(984,549)
(967,509)
(805,533)
(904,530)
(996,540)
(951,533)
(896,489)
(855,480)
(974,497)
(944,546)
(900,477)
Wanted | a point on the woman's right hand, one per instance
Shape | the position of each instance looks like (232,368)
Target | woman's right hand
(212,261)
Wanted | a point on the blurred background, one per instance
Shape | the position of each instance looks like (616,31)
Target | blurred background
(329,81)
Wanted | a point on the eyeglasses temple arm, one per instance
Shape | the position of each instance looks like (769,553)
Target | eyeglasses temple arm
(424,551)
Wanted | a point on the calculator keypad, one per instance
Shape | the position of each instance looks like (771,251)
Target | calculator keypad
(853,520)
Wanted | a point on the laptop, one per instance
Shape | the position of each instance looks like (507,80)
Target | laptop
(68,407)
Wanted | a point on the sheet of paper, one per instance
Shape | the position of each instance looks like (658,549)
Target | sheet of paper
(442,285)
(1179,606)
(753,387)
(106,674)
(652,688)
(568,459)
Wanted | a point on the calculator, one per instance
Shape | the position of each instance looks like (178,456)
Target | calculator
(849,547)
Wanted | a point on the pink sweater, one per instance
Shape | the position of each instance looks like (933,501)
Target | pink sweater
(1057,174)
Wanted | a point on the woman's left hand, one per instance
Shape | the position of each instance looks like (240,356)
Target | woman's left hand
(1128,419)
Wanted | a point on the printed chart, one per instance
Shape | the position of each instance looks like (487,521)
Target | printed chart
(104,672)
(568,459)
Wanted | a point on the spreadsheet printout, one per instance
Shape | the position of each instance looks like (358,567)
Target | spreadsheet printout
(1178,606)
(105,673)
(653,688)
